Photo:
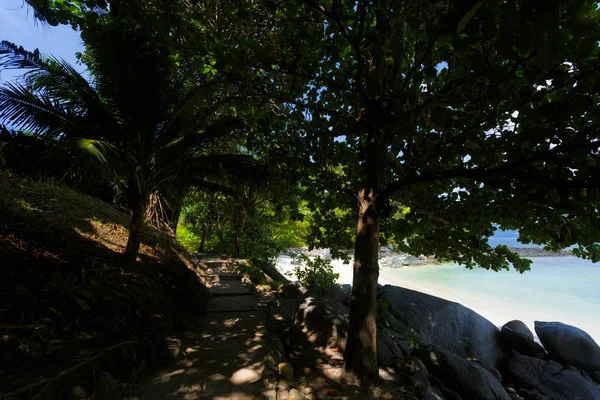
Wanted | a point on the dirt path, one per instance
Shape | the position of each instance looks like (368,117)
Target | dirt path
(223,358)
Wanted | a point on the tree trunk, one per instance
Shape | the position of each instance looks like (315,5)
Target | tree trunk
(239,222)
(360,356)
(175,214)
(135,232)
(238,237)
(207,223)
(207,226)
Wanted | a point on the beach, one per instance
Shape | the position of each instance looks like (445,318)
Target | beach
(561,289)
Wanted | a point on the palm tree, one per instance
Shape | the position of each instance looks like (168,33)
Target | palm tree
(133,122)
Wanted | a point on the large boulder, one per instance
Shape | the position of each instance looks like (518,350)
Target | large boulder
(340,295)
(569,345)
(293,290)
(468,379)
(444,323)
(324,321)
(549,379)
(390,346)
(516,335)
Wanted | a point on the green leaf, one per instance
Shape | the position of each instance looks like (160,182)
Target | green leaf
(84,306)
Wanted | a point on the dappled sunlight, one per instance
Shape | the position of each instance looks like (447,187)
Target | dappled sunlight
(223,360)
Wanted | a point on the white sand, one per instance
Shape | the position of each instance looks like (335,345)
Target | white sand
(498,311)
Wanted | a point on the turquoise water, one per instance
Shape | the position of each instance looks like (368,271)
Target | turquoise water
(565,289)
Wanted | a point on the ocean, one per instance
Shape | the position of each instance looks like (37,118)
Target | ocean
(565,289)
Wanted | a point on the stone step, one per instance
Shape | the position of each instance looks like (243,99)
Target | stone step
(220,264)
(231,288)
(233,303)
(224,276)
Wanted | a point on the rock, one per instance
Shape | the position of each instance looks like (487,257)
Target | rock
(271,271)
(271,360)
(286,370)
(595,375)
(392,260)
(468,379)
(432,394)
(419,378)
(295,395)
(569,345)
(293,290)
(324,320)
(516,335)
(549,379)
(173,347)
(339,295)
(390,346)
(411,260)
(283,384)
(443,323)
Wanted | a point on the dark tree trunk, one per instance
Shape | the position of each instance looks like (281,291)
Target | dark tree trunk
(135,232)
(207,223)
(205,236)
(360,355)
(239,221)
(239,230)
(175,217)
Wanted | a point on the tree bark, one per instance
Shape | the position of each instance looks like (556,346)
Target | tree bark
(238,236)
(360,356)
(207,223)
(206,234)
(135,232)
(175,214)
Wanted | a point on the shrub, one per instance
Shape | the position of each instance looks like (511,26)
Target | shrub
(316,274)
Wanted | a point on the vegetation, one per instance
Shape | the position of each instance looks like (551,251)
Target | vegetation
(62,293)
(316,274)
(429,124)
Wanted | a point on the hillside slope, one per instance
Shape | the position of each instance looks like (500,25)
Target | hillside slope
(63,296)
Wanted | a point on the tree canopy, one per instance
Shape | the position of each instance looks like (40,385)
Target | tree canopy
(427,123)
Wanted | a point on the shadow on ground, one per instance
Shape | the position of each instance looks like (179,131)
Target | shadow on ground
(222,359)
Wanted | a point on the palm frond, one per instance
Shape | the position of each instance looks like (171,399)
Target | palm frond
(23,109)
(98,155)
(228,170)
(60,87)
(16,57)
(215,134)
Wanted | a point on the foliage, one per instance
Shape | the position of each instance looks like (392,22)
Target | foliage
(291,233)
(60,251)
(275,285)
(187,238)
(468,118)
(142,130)
(316,274)
(382,309)
(465,122)
(476,118)
(253,271)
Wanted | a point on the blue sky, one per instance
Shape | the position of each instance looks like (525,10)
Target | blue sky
(18,25)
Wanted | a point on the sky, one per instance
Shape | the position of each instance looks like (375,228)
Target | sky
(17,25)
